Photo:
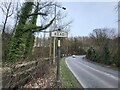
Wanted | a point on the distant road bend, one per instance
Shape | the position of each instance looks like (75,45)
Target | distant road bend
(90,75)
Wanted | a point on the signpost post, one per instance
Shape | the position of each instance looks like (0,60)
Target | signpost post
(58,34)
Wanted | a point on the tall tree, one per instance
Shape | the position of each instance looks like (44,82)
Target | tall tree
(7,10)
(101,39)
(30,39)
(25,28)
(17,43)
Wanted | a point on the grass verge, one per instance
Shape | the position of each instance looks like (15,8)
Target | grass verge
(67,78)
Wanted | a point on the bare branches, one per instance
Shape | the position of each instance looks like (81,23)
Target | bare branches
(11,13)
(2,9)
(46,4)
(44,8)
(40,13)
(39,28)
(101,37)
(117,10)
(7,9)
(62,22)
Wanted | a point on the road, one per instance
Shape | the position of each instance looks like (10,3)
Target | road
(92,75)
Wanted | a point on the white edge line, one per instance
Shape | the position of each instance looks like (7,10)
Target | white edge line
(102,72)
(75,74)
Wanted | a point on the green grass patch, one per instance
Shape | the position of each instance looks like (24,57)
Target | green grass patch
(67,78)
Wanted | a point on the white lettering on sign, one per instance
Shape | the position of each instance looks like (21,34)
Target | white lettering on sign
(59,34)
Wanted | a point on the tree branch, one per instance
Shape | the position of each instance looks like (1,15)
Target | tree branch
(39,28)
(2,10)
(45,27)
(44,14)
(11,12)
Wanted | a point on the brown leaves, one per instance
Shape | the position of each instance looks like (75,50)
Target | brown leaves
(47,81)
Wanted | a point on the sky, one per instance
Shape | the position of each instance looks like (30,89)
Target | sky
(87,16)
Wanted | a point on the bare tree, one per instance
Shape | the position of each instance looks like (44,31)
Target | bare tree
(7,9)
(101,37)
(63,22)
(16,15)
(119,19)
(118,9)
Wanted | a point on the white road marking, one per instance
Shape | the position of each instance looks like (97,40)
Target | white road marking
(75,74)
(105,73)
(102,72)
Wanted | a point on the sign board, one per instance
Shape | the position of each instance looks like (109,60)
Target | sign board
(59,34)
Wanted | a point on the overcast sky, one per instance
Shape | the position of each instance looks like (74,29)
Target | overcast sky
(87,16)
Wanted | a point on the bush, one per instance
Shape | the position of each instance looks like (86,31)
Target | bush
(82,51)
(89,53)
(106,56)
(116,59)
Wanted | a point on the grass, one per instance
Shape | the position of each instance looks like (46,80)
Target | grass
(67,78)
